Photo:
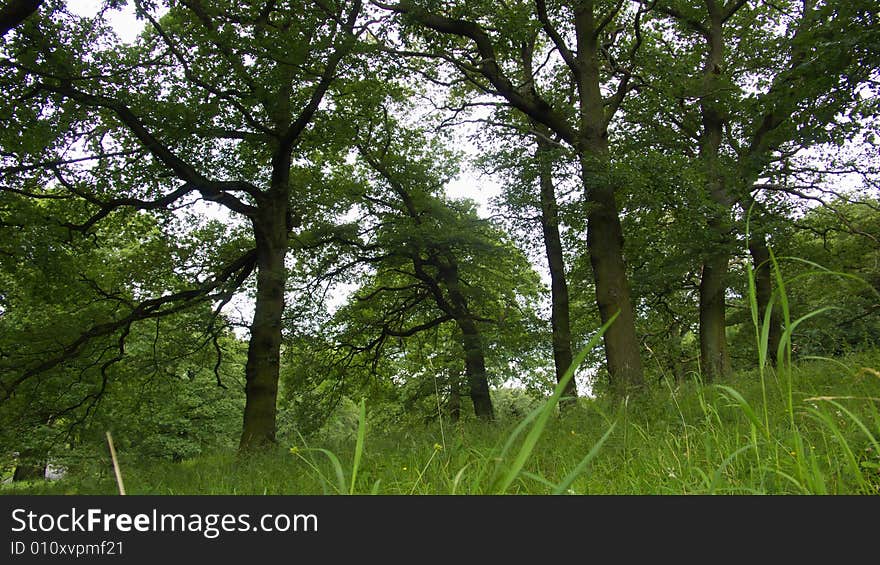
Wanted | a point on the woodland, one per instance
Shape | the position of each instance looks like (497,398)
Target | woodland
(233,243)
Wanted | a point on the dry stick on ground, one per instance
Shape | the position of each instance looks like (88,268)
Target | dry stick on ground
(115,464)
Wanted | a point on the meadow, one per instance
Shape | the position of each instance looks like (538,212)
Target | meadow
(813,429)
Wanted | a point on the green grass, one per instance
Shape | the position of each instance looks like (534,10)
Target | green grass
(817,433)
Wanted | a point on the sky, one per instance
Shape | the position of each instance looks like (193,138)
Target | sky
(123,21)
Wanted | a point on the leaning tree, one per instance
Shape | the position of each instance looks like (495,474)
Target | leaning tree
(218,102)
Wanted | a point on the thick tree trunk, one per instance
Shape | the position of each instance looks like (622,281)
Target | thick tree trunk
(764,292)
(714,359)
(264,349)
(475,369)
(559,313)
(604,232)
(605,242)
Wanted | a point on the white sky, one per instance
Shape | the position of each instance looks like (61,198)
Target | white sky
(123,21)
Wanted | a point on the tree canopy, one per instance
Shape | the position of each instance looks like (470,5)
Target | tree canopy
(254,195)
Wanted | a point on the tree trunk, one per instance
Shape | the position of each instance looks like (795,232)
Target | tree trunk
(454,404)
(264,349)
(471,341)
(475,369)
(31,465)
(605,242)
(454,304)
(604,232)
(559,313)
(764,292)
(714,359)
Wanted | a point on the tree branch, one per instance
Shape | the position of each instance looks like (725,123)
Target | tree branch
(554,36)
(15,12)
(529,103)
(210,190)
(327,77)
(162,306)
(59,162)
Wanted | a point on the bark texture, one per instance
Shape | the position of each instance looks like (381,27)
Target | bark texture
(560,319)
(714,358)
(264,348)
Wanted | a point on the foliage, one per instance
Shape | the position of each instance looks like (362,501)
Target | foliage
(688,439)
(295,157)
(825,247)
(55,285)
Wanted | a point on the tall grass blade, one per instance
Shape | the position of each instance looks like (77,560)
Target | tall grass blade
(543,415)
(359,446)
(116,470)
(422,472)
(563,486)
(790,479)
(458,476)
(762,332)
(791,326)
(849,456)
(519,429)
(716,477)
(746,407)
(337,467)
(858,422)
(537,478)
(841,364)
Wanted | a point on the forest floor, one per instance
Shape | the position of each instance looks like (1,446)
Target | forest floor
(814,429)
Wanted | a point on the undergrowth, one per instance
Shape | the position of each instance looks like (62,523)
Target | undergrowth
(784,428)
(689,438)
